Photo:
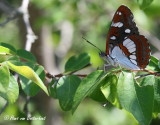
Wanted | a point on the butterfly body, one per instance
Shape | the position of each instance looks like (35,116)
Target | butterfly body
(124,45)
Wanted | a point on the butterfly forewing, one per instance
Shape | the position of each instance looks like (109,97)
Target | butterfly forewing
(124,33)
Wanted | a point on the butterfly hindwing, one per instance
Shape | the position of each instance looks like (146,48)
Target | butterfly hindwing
(124,34)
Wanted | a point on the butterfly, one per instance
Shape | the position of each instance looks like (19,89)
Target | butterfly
(125,47)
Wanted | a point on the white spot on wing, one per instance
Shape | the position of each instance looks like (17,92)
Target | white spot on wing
(132,56)
(133,61)
(119,13)
(126,41)
(132,50)
(127,31)
(118,24)
(112,37)
(131,46)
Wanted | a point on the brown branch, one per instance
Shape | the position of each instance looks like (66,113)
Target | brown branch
(50,76)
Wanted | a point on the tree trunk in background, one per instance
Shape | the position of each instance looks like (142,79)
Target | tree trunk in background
(44,54)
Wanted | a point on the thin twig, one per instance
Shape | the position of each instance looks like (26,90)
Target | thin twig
(30,37)
(50,76)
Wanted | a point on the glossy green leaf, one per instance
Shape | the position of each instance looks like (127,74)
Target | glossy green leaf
(110,90)
(2,103)
(87,86)
(13,90)
(8,46)
(52,88)
(97,95)
(135,99)
(26,55)
(29,74)
(4,50)
(144,3)
(4,80)
(148,80)
(157,95)
(28,86)
(77,62)
(3,58)
(66,88)
(153,64)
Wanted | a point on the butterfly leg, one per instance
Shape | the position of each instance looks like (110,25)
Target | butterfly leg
(107,67)
(118,64)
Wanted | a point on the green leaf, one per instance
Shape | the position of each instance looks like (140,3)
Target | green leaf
(110,90)
(87,86)
(4,50)
(157,95)
(8,46)
(153,64)
(144,3)
(135,99)
(28,86)
(13,90)
(4,80)
(148,80)
(98,94)
(29,74)
(26,55)
(77,62)
(66,88)
(52,88)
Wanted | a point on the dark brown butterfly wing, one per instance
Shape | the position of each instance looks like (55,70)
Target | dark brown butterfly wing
(123,30)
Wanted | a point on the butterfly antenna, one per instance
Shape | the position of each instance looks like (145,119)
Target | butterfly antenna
(92,44)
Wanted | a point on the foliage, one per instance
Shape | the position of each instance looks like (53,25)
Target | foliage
(140,97)
(118,87)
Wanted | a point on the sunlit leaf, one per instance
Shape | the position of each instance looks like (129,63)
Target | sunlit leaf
(110,90)
(153,64)
(28,86)
(157,95)
(4,80)
(148,80)
(29,74)
(4,50)
(135,99)
(8,46)
(13,90)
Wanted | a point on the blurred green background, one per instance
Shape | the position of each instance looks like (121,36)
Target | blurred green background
(60,25)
